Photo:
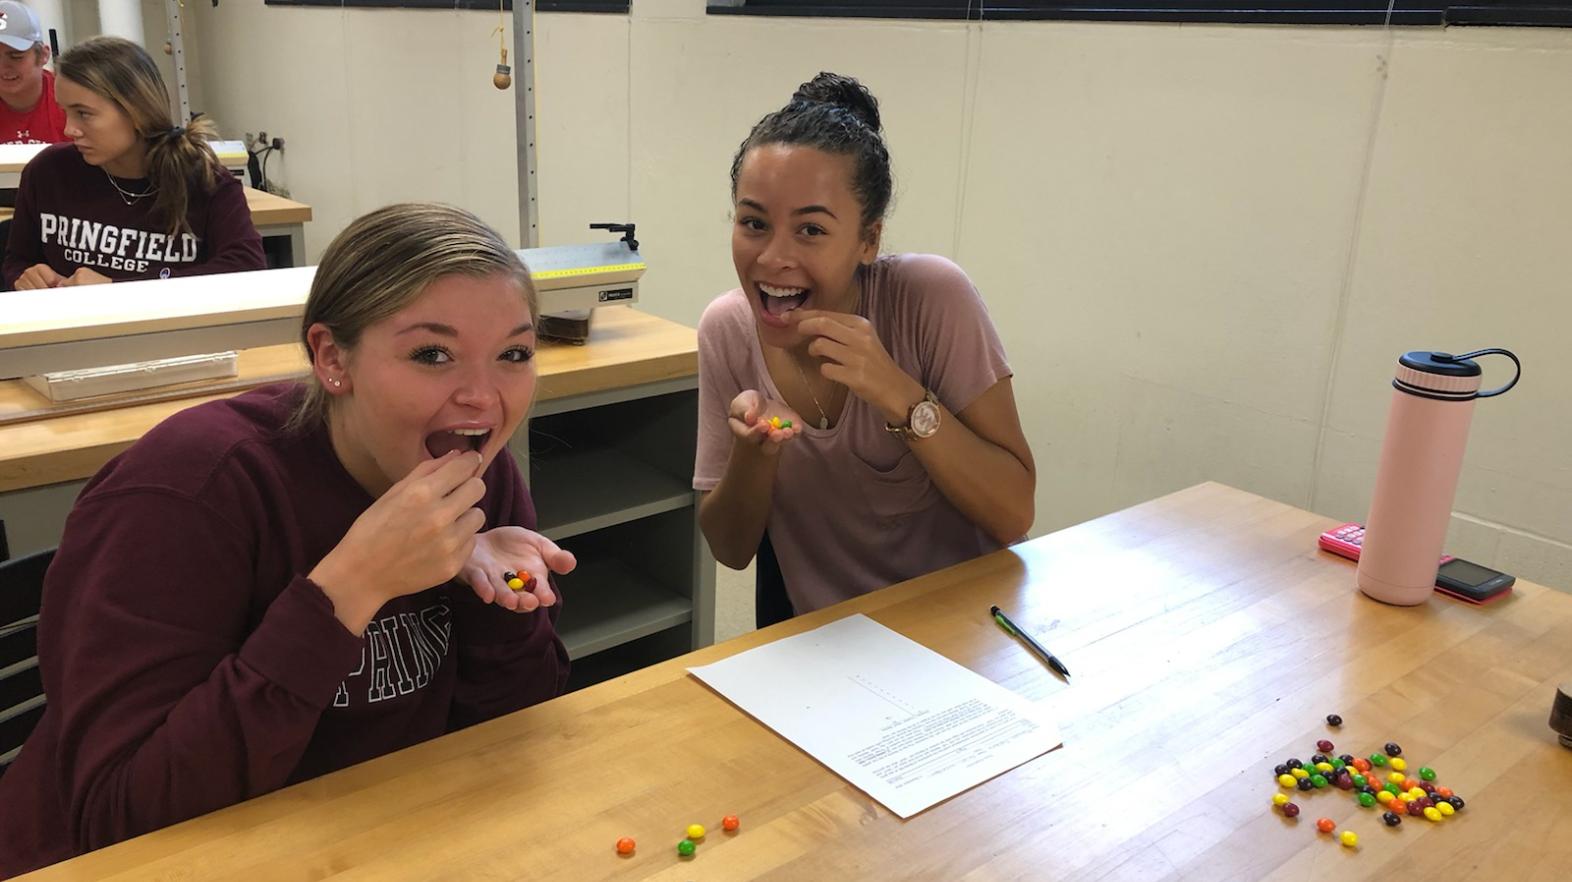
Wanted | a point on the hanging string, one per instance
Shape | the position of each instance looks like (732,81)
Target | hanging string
(503,78)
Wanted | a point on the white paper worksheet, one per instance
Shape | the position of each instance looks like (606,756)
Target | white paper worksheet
(896,719)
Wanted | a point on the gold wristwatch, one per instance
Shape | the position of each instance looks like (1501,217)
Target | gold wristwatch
(922,420)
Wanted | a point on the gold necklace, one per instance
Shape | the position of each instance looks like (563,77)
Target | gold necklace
(824,419)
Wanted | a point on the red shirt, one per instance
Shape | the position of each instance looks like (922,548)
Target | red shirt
(44,124)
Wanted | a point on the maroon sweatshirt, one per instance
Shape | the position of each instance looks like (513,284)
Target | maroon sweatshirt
(189,663)
(69,215)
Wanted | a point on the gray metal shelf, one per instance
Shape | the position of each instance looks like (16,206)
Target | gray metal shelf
(599,488)
(616,605)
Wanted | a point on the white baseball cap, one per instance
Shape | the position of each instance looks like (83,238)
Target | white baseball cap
(19,26)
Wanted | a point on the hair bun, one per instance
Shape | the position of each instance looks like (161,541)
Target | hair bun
(843,92)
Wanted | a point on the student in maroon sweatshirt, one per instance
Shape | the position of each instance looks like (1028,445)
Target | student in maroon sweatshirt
(273,586)
(135,196)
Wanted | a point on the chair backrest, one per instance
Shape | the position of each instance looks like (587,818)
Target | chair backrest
(771,604)
(21,686)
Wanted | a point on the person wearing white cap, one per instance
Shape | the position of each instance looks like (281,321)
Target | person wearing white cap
(28,112)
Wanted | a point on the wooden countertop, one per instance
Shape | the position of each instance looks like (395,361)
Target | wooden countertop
(1208,638)
(266,209)
(44,444)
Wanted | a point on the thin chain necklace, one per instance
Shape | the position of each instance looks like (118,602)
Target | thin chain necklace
(824,419)
(127,196)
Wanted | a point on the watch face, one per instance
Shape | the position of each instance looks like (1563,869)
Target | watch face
(925,419)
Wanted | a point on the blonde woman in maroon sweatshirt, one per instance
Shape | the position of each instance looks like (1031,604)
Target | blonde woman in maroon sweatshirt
(135,195)
(273,586)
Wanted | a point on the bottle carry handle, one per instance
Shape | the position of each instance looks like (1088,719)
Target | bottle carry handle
(1494,392)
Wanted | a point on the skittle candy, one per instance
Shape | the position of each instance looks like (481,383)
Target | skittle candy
(730,823)
(625,845)
(1426,773)
(1433,813)
(1399,763)
(1290,810)
(1287,780)
(1445,808)
(1279,799)
(1324,746)
(1392,819)
(1325,825)
(1350,839)
(685,848)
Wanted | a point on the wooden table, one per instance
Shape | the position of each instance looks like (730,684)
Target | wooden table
(275,216)
(272,215)
(1208,638)
(44,444)
(15,157)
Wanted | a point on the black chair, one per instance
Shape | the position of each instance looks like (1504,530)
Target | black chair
(770,601)
(21,686)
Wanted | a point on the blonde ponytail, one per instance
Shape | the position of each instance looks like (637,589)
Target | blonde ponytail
(178,157)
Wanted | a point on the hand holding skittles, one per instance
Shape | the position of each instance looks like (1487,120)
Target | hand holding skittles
(759,421)
(508,555)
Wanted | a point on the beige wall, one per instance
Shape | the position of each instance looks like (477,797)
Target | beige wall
(82,22)
(1204,246)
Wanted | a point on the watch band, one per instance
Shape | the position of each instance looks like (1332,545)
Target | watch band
(905,430)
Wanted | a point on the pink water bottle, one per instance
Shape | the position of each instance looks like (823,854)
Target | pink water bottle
(1426,430)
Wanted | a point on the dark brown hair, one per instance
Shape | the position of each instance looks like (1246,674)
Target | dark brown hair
(838,115)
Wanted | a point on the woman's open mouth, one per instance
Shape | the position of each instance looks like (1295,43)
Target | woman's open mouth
(778,301)
(439,444)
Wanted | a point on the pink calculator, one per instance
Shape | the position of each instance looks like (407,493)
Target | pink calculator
(1347,539)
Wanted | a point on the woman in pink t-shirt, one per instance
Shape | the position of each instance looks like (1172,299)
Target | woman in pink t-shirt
(904,452)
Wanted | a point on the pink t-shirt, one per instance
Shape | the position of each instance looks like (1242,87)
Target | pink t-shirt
(853,510)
